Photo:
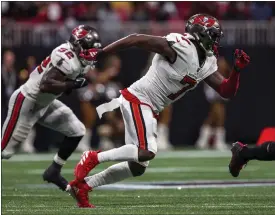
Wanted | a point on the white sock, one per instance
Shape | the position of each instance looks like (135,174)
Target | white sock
(163,137)
(59,160)
(205,133)
(163,128)
(123,153)
(112,174)
(220,135)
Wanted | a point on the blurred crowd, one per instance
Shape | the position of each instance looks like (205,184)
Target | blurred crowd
(43,12)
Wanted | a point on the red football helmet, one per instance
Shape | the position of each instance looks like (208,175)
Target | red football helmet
(206,30)
(84,37)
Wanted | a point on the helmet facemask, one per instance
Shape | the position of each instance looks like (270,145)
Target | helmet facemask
(83,61)
(206,31)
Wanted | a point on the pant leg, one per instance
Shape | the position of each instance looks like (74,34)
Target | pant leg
(140,126)
(22,115)
(61,118)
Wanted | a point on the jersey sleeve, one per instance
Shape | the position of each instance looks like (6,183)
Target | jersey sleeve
(60,61)
(179,43)
(182,47)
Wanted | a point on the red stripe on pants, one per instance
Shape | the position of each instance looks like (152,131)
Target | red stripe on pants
(12,121)
(140,128)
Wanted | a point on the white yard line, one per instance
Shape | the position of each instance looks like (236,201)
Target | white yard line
(169,185)
(26,195)
(160,155)
(201,206)
(157,170)
(143,195)
(229,205)
(178,187)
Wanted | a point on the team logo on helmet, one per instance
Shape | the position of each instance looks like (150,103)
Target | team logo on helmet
(79,32)
(203,20)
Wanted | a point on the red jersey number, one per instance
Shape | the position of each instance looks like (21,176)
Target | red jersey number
(188,83)
(43,65)
(183,38)
(69,54)
(45,62)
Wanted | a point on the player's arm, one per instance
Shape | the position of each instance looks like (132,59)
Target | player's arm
(227,88)
(55,82)
(150,43)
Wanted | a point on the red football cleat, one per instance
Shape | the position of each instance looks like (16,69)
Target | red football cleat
(237,162)
(80,192)
(87,162)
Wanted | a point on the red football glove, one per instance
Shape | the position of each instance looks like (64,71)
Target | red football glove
(241,59)
(90,54)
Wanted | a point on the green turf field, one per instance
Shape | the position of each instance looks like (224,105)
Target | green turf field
(182,182)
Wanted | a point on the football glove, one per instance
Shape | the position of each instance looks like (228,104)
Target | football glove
(241,60)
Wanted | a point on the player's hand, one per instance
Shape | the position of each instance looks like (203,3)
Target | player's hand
(80,82)
(90,54)
(241,59)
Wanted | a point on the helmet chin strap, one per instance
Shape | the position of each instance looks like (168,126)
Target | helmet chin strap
(207,52)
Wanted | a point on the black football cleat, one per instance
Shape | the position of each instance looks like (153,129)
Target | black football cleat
(52,175)
(237,162)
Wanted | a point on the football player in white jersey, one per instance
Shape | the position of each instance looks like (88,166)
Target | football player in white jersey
(36,101)
(180,63)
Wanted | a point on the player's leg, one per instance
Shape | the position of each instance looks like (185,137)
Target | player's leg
(219,131)
(206,130)
(264,152)
(113,174)
(20,119)
(140,129)
(241,154)
(130,167)
(140,137)
(89,115)
(60,118)
(163,129)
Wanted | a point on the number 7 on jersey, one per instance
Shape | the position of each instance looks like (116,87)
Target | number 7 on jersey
(188,83)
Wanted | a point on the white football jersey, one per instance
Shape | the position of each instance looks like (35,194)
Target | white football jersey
(63,58)
(167,82)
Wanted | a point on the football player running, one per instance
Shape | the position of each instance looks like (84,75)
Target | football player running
(180,63)
(36,101)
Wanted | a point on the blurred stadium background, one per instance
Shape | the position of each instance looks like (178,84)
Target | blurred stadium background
(29,32)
